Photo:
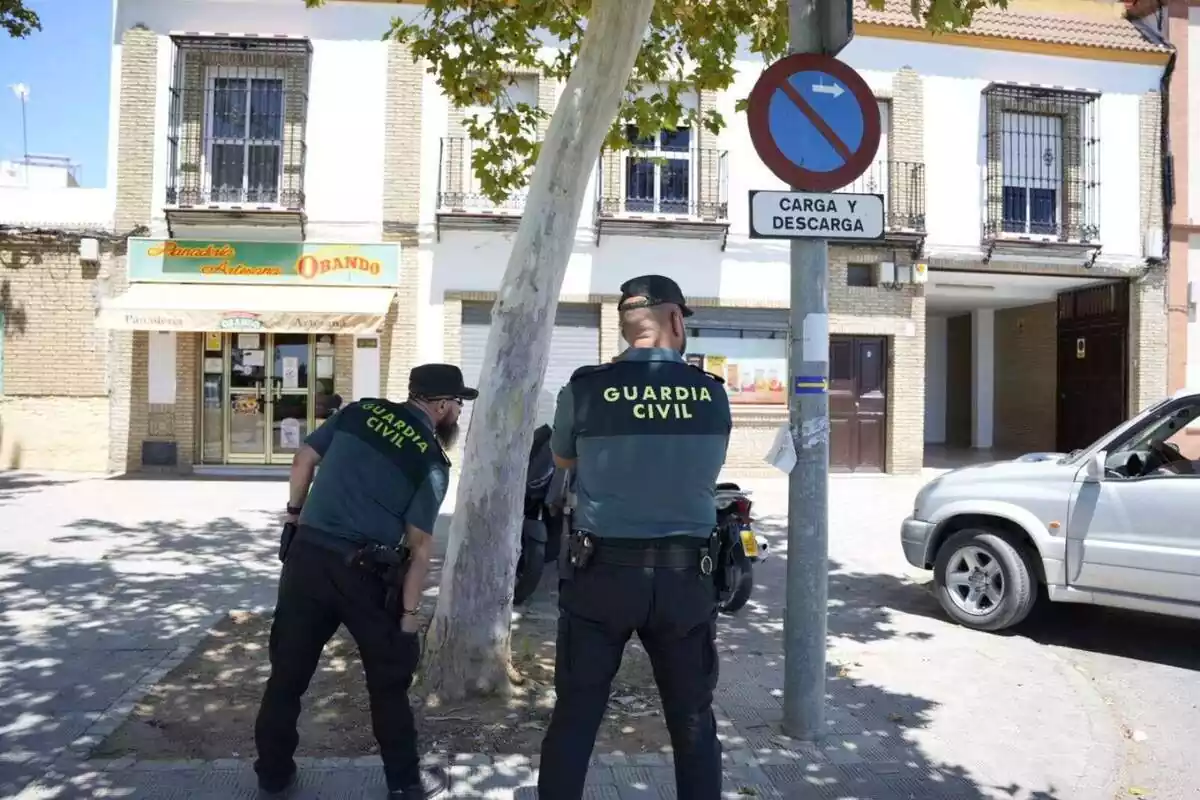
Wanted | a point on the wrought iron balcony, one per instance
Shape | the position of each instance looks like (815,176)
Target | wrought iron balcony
(459,189)
(236,130)
(1041,181)
(902,184)
(685,184)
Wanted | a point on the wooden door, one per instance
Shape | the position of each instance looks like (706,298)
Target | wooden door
(858,403)
(1093,331)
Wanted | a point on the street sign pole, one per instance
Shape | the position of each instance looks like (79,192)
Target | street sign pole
(807,593)
(815,124)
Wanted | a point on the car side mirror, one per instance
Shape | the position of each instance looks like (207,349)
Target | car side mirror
(1093,470)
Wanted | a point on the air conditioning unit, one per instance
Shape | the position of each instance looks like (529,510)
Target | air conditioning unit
(1152,244)
(89,250)
(1191,301)
(920,272)
(885,273)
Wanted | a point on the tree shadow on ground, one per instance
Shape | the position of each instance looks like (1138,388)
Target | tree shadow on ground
(79,630)
(14,483)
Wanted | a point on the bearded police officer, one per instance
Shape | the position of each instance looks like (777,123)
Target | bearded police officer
(358,557)
(647,436)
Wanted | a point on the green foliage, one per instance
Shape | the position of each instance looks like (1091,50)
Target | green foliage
(475,47)
(17,20)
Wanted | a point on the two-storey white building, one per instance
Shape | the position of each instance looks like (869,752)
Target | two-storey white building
(1016,302)
(307,224)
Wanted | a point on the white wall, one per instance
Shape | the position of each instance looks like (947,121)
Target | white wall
(343,181)
(49,208)
(983,377)
(936,341)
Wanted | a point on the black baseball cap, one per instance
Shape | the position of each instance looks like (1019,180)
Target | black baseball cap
(656,289)
(439,380)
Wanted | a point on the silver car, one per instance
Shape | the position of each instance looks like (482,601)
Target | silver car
(1116,524)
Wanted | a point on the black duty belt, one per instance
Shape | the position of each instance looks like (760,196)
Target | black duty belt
(328,541)
(676,554)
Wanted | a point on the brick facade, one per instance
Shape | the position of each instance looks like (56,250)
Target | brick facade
(1026,364)
(1148,339)
(401,212)
(54,400)
(138,91)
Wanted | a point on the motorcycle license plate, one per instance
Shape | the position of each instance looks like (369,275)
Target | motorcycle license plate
(749,543)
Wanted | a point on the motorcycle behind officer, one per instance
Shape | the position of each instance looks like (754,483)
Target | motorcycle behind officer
(647,436)
(355,552)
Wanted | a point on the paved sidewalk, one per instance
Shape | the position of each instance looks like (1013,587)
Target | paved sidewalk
(106,585)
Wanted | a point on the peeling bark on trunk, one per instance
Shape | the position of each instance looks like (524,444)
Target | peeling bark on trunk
(468,644)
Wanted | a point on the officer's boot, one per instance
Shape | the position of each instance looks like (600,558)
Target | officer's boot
(434,783)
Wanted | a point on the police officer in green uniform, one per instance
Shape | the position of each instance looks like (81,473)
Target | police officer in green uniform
(356,554)
(647,436)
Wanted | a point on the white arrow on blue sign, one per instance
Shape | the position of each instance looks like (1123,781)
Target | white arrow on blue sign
(814,122)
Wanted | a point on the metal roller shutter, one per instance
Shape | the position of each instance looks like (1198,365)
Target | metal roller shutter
(749,318)
(574,343)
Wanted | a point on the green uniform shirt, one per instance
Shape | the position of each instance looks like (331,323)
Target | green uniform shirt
(381,469)
(649,433)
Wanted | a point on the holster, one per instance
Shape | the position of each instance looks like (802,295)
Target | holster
(390,564)
(719,551)
(577,555)
(285,540)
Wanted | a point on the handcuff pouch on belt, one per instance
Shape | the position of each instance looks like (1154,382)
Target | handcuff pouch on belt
(390,564)
(285,540)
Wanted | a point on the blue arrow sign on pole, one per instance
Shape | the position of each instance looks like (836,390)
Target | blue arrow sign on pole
(814,122)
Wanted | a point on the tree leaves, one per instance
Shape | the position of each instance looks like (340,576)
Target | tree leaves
(17,20)
(475,47)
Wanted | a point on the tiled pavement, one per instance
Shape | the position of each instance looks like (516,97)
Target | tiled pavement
(106,585)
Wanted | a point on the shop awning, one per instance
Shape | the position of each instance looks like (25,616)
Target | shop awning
(278,309)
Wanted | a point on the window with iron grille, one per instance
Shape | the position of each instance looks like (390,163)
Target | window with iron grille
(658,172)
(239,107)
(245,142)
(1042,171)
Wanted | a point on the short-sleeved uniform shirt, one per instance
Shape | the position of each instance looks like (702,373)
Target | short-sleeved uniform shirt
(381,469)
(650,435)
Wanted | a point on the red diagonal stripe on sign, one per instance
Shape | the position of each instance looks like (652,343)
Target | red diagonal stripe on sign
(820,124)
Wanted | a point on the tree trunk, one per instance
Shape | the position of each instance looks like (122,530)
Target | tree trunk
(468,644)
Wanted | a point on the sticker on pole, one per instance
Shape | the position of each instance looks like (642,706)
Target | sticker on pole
(814,122)
(815,215)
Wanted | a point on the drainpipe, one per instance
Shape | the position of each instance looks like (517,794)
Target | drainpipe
(1152,33)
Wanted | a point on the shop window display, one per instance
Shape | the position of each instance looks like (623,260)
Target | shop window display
(752,362)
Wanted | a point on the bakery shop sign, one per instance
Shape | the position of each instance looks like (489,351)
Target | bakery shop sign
(264,262)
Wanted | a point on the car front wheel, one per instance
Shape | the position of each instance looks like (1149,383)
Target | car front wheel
(983,580)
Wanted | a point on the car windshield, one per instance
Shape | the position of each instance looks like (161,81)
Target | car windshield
(1117,432)
(1161,430)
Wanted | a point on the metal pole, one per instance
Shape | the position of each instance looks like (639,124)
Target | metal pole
(24,136)
(808,483)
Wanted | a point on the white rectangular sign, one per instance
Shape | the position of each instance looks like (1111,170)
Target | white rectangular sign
(815,215)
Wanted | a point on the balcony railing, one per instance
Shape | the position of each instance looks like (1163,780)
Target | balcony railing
(1042,176)
(458,187)
(681,184)
(236,130)
(902,184)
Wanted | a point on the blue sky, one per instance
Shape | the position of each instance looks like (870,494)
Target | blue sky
(66,68)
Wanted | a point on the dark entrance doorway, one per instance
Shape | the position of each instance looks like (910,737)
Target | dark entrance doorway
(1093,374)
(858,403)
